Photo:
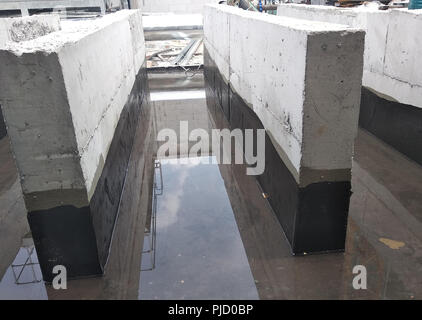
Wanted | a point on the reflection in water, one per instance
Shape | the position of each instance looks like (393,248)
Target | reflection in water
(199,252)
(23,279)
(148,253)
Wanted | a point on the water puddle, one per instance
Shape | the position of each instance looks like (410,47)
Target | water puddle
(197,252)
(23,279)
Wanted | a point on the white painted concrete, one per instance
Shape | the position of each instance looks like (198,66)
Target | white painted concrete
(301,78)
(27,28)
(175,6)
(63,96)
(393,45)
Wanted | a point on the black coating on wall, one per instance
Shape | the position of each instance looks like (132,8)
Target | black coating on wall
(80,238)
(3,130)
(105,201)
(314,218)
(398,124)
(65,236)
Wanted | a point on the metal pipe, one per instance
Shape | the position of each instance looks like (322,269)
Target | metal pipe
(183,53)
(190,53)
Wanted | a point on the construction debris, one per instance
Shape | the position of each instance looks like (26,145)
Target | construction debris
(169,53)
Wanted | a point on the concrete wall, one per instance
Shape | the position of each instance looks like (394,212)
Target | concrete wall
(176,6)
(61,148)
(27,28)
(84,64)
(24,6)
(302,79)
(393,46)
(71,101)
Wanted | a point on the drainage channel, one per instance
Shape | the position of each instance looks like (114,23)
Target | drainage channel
(210,232)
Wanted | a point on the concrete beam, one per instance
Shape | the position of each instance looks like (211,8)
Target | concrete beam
(302,80)
(391,60)
(286,85)
(71,102)
(391,106)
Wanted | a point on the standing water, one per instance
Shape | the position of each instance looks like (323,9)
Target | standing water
(206,231)
(199,252)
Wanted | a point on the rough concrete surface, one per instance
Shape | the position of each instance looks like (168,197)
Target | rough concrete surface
(71,101)
(27,28)
(392,46)
(302,79)
(61,132)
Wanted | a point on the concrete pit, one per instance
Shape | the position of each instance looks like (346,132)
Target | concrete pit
(83,182)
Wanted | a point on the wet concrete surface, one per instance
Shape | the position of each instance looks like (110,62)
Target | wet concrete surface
(218,238)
